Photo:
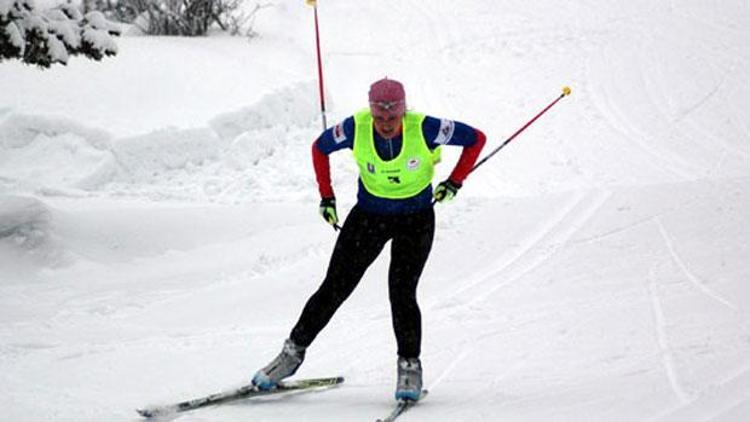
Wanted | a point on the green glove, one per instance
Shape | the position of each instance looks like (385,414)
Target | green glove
(328,210)
(446,190)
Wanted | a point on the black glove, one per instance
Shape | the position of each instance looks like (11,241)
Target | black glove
(328,210)
(446,190)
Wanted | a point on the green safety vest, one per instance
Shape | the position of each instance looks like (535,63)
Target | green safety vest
(405,175)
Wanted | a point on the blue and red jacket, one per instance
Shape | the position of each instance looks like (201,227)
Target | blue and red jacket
(436,132)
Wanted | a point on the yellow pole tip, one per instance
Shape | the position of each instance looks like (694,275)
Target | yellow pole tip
(311,2)
(566,91)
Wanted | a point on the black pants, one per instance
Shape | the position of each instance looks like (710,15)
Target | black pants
(361,240)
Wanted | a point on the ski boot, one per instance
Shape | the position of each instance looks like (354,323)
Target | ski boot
(284,365)
(409,385)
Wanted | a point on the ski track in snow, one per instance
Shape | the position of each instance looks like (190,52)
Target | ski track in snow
(555,239)
(701,286)
(661,334)
(463,355)
(551,235)
(617,118)
(719,399)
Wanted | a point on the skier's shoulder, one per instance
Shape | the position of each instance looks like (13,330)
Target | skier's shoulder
(338,136)
(444,131)
(344,130)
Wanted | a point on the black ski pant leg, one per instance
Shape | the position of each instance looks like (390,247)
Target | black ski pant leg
(409,252)
(361,240)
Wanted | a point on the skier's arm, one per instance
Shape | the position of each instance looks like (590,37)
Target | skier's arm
(468,157)
(448,132)
(333,139)
(322,171)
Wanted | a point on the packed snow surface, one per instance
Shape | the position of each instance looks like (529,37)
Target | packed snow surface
(159,231)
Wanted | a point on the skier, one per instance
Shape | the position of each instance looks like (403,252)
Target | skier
(396,151)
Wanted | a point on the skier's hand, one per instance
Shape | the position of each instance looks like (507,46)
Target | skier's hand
(328,210)
(446,190)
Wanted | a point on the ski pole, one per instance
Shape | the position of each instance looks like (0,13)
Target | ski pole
(565,92)
(314,4)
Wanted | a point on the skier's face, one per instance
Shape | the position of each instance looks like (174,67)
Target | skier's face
(387,125)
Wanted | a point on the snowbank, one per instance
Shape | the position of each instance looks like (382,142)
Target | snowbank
(250,154)
(290,106)
(39,152)
(56,156)
(27,237)
(23,220)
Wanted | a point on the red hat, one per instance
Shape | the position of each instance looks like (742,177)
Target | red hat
(387,97)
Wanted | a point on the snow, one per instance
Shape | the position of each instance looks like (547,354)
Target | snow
(59,23)
(14,36)
(57,51)
(159,230)
(5,6)
(100,40)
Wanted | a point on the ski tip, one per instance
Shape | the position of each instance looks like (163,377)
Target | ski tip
(153,412)
(333,380)
(144,413)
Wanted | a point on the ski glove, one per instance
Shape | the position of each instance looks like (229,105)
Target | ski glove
(446,190)
(328,210)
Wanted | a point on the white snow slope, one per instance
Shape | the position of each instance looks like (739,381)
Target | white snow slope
(159,230)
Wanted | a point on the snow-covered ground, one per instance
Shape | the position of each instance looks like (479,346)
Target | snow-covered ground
(159,230)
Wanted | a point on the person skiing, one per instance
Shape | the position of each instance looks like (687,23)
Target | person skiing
(396,151)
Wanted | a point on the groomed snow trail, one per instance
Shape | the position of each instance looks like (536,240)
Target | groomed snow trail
(158,249)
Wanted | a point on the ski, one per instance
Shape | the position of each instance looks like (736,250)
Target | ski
(401,407)
(246,391)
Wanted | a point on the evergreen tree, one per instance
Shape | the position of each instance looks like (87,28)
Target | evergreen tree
(52,36)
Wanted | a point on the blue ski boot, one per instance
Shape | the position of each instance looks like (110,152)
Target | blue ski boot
(409,385)
(284,365)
